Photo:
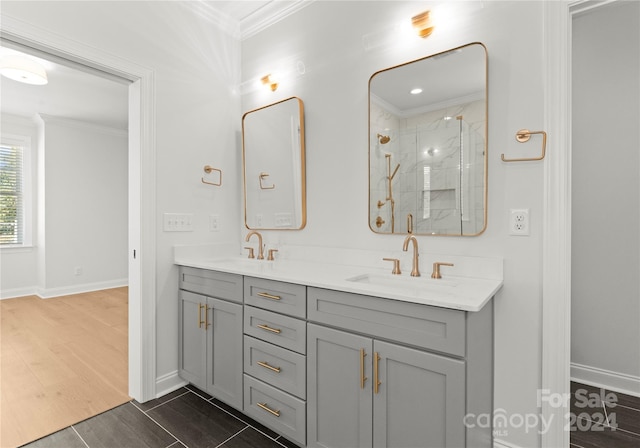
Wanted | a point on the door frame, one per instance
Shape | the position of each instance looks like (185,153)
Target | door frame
(556,252)
(142,190)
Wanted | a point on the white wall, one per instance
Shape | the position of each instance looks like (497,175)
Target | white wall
(196,68)
(605,300)
(18,275)
(327,37)
(83,208)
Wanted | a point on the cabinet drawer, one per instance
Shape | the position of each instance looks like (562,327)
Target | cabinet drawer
(423,326)
(276,366)
(286,298)
(280,330)
(212,283)
(279,411)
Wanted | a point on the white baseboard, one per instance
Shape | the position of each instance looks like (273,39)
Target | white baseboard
(166,384)
(617,382)
(497,443)
(18,292)
(77,289)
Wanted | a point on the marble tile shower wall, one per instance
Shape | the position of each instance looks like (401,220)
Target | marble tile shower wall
(385,123)
(428,181)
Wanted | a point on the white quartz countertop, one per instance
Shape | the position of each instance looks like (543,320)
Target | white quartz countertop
(454,292)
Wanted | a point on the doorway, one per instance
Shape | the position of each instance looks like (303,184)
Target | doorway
(65,357)
(556,341)
(142,190)
(605,190)
(605,230)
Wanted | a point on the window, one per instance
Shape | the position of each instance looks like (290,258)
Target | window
(13,198)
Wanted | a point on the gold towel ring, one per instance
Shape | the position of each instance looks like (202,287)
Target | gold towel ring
(523,136)
(208,169)
(261,176)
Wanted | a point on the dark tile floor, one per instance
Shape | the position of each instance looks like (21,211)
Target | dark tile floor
(187,417)
(191,418)
(601,418)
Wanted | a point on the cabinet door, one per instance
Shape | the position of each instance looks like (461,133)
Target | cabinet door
(338,400)
(420,400)
(192,338)
(224,350)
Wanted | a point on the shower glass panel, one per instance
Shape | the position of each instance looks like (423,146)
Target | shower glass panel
(440,178)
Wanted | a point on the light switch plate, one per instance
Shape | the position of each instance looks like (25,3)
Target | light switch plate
(178,222)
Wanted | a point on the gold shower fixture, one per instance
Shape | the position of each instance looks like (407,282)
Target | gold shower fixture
(383,139)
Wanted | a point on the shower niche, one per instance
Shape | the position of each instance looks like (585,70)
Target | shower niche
(427,152)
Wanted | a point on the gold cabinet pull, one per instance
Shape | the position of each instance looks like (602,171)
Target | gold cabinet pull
(268,409)
(376,373)
(266,365)
(200,321)
(268,328)
(363,378)
(269,296)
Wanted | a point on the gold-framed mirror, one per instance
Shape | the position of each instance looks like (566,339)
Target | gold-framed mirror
(273,160)
(428,122)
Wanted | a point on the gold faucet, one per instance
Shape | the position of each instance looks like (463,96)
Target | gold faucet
(260,246)
(415,272)
(436,269)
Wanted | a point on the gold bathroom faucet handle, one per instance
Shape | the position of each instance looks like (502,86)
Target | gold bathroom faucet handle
(396,265)
(270,257)
(251,254)
(436,269)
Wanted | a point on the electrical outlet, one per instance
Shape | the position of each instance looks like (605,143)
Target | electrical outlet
(519,221)
(77,271)
(214,223)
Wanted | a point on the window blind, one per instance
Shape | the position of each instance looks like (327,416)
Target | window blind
(11,195)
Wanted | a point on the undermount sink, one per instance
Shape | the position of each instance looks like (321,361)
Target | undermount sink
(414,285)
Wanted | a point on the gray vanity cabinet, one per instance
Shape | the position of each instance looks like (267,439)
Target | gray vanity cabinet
(192,339)
(419,399)
(275,355)
(339,397)
(384,373)
(332,369)
(210,333)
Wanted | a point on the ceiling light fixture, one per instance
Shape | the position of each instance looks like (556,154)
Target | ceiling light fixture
(422,24)
(23,69)
(416,91)
(269,80)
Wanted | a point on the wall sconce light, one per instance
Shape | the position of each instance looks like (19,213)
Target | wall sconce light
(269,80)
(422,24)
(23,69)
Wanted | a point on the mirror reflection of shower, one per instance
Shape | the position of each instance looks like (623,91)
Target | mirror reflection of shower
(390,176)
(383,139)
(439,180)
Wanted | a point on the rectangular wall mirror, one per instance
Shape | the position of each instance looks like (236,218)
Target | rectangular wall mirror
(428,145)
(273,155)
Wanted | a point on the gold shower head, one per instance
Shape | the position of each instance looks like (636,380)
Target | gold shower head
(384,139)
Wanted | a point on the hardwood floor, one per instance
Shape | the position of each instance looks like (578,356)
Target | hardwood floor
(63,360)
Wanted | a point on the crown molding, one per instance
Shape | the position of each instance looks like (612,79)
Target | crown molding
(268,15)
